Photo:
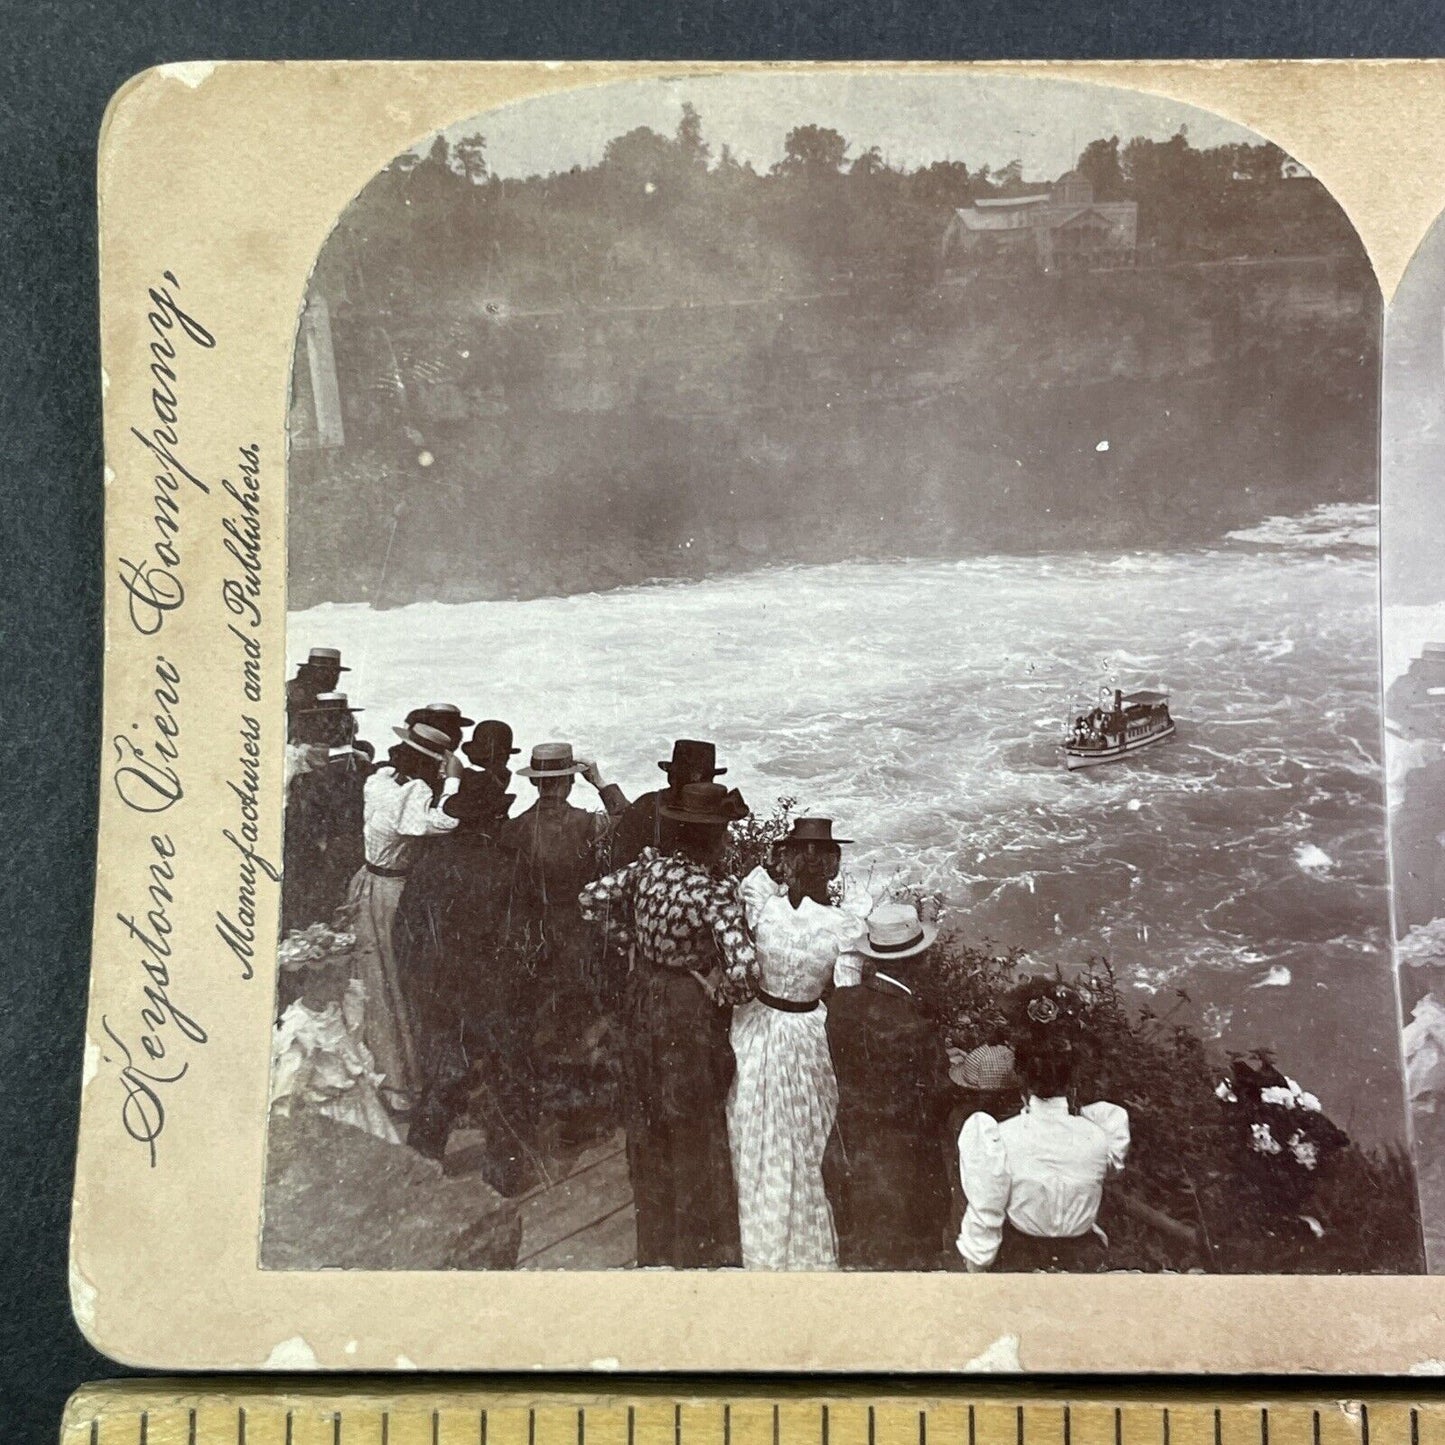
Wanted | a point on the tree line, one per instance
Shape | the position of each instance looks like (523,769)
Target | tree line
(666,218)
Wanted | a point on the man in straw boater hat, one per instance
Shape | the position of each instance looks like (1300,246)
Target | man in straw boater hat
(890,1159)
(555,848)
(643,825)
(446,717)
(692,958)
(321,672)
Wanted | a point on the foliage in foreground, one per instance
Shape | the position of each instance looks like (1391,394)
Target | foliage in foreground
(1191,1158)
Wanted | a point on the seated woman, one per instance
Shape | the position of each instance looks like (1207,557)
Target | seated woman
(1034,1182)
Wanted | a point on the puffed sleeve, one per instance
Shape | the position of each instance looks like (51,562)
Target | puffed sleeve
(1114,1121)
(597,898)
(756,891)
(421,814)
(983,1168)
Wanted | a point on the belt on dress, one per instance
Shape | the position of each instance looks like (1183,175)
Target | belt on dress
(385,872)
(787,1005)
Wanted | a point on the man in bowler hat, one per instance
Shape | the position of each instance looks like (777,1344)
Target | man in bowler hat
(644,824)
(490,750)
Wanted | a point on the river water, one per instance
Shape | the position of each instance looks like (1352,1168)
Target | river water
(919,703)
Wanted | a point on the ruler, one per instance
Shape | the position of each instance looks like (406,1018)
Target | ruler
(330,1412)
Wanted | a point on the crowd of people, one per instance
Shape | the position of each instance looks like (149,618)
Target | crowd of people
(789,1102)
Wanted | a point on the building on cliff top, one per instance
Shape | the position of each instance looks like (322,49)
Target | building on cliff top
(1063,228)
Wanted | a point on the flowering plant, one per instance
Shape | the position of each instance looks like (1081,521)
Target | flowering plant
(1280,1128)
(1043,1010)
(1045,1006)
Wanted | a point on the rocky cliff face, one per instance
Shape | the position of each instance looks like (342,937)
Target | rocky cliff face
(569,450)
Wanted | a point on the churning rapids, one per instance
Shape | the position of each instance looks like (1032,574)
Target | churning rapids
(920,704)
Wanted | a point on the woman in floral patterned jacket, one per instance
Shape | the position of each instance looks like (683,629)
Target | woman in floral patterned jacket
(692,959)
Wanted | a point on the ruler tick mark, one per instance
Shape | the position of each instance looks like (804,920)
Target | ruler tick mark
(1414,1427)
(581,1427)
(677,1425)
(872,1427)
(1119,1427)
(1317,1428)
(436,1427)
(631,1425)
(922,1427)
(191,1426)
(1218,1428)
(1019,1424)
(824,1429)
(1364,1424)
(336,1427)
(385,1426)
(95,1432)
(288,1428)
(1166,1425)
(972,1431)
(240,1425)
(145,1425)
(1264,1425)
(481,1428)
(776,1431)
(727,1425)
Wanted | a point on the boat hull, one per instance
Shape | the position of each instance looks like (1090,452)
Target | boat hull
(1092,757)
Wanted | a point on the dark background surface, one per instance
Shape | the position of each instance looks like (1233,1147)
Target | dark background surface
(60,63)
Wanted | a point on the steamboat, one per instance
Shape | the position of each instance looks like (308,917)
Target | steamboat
(1135,721)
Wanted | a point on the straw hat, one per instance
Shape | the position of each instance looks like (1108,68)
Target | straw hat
(551,760)
(425,739)
(895,931)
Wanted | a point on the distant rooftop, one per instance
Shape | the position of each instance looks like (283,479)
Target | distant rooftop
(998,203)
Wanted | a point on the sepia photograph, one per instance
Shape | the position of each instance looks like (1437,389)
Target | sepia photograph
(1413,533)
(834,697)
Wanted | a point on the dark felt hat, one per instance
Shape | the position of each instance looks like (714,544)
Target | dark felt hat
(692,755)
(491,742)
(709,803)
(813,830)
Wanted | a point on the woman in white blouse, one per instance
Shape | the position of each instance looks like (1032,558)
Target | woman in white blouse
(1034,1182)
(403,804)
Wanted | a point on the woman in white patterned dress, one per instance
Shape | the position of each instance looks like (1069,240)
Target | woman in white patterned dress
(784,1097)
